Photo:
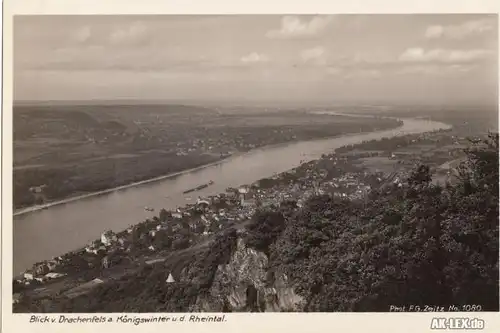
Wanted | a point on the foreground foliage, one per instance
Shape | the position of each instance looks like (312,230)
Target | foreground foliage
(418,244)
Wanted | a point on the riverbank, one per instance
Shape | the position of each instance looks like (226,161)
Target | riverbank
(123,187)
(31,209)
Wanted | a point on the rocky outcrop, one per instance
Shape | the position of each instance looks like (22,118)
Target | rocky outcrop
(247,284)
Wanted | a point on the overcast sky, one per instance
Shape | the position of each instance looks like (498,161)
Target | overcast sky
(437,59)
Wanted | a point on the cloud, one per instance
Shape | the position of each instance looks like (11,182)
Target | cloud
(315,55)
(129,34)
(464,30)
(417,54)
(106,58)
(420,69)
(254,57)
(294,27)
(413,61)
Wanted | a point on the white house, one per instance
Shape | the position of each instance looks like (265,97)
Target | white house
(247,202)
(205,220)
(52,264)
(108,238)
(28,276)
(243,190)
(201,202)
(54,275)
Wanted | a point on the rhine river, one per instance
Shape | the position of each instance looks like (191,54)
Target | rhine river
(46,233)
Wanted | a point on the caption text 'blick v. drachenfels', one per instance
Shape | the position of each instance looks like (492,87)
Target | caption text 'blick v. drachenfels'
(124,319)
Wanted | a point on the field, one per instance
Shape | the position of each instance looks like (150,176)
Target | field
(63,151)
(441,151)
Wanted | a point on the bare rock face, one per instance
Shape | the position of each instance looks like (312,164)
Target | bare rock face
(243,285)
(208,303)
(281,297)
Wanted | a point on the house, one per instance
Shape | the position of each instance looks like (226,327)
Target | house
(247,202)
(28,276)
(243,190)
(101,249)
(202,204)
(205,220)
(108,238)
(121,241)
(41,269)
(151,248)
(52,264)
(54,275)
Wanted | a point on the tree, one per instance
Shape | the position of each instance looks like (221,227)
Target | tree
(264,229)
(420,176)
(419,244)
(164,215)
(180,243)
(162,240)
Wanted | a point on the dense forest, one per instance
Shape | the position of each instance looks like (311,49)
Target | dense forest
(418,244)
(412,244)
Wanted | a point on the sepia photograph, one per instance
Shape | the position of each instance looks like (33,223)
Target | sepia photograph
(255,163)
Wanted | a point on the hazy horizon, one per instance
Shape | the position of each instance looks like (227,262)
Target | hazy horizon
(438,59)
(245,103)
